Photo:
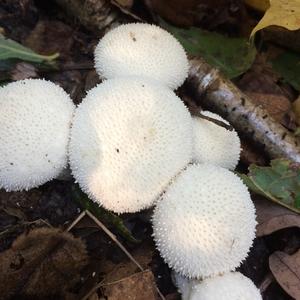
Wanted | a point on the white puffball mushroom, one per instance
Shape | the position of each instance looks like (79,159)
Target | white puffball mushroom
(230,286)
(129,138)
(204,224)
(35,119)
(215,144)
(140,49)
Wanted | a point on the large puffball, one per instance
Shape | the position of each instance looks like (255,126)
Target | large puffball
(35,119)
(215,144)
(142,50)
(230,286)
(129,138)
(204,224)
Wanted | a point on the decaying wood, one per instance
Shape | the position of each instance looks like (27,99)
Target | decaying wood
(93,14)
(218,94)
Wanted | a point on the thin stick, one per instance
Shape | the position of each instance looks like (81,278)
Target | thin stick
(113,237)
(76,221)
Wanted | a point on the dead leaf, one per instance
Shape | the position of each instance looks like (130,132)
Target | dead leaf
(284,13)
(23,70)
(49,37)
(139,286)
(45,262)
(261,5)
(272,217)
(286,270)
(209,14)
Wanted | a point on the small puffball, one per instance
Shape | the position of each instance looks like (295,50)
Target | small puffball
(230,286)
(204,224)
(215,144)
(129,138)
(35,119)
(142,50)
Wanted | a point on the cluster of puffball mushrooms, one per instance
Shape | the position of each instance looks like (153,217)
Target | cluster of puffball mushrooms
(132,144)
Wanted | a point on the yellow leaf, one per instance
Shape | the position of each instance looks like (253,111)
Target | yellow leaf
(261,5)
(284,13)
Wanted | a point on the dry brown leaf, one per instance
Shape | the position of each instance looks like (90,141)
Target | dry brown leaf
(272,217)
(139,286)
(209,14)
(45,262)
(286,270)
(50,37)
(23,70)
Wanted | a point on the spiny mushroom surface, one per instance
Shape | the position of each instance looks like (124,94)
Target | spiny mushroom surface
(35,119)
(215,144)
(230,286)
(129,137)
(142,50)
(204,224)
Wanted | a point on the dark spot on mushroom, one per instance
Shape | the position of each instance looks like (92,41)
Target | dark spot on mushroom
(49,160)
(243,101)
(117,150)
(46,154)
(143,85)
(132,36)
(11,164)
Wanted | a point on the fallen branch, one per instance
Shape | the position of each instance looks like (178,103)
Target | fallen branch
(220,95)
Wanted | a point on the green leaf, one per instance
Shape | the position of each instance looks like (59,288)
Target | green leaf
(233,56)
(102,214)
(10,49)
(280,182)
(287,65)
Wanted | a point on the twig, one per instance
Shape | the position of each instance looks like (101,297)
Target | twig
(76,221)
(215,121)
(113,237)
(221,95)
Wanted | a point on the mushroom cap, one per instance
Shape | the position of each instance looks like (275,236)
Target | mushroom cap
(129,138)
(204,224)
(215,144)
(140,49)
(230,286)
(35,119)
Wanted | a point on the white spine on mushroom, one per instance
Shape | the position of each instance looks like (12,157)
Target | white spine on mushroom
(204,225)
(230,286)
(142,50)
(35,119)
(215,144)
(129,138)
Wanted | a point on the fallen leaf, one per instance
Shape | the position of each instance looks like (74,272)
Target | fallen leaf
(207,14)
(233,56)
(261,5)
(23,70)
(284,13)
(139,286)
(51,37)
(45,262)
(287,65)
(286,270)
(280,182)
(11,49)
(272,217)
